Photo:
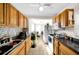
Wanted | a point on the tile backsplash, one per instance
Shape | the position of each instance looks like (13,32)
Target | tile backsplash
(9,31)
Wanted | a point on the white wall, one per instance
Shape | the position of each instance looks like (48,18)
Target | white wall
(36,24)
(76,18)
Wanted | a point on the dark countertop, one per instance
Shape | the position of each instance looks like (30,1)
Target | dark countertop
(72,44)
(14,47)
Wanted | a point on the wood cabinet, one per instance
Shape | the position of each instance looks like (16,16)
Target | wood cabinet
(1,13)
(70,17)
(63,50)
(56,47)
(23,48)
(21,20)
(62,20)
(28,44)
(19,49)
(11,17)
(66,18)
(25,22)
(7,14)
(22,52)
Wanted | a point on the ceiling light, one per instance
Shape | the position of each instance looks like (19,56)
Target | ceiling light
(41,8)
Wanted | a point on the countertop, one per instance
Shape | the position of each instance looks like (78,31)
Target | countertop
(14,47)
(70,44)
(6,53)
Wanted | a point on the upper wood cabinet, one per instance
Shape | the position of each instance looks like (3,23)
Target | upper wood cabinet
(25,22)
(21,20)
(66,18)
(70,17)
(13,16)
(2,14)
(8,14)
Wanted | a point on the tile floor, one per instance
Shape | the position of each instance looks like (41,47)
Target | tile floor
(40,49)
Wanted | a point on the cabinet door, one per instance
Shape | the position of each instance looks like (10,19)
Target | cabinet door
(8,14)
(71,17)
(1,13)
(22,51)
(13,16)
(24,22)
(17,18)
(5,12)
(62,20)
(21,20)
(56,48)
(28,44)
(65,14)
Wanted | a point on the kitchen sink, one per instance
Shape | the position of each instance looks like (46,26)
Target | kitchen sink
(5,48)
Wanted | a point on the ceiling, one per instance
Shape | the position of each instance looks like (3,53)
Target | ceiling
(50,9)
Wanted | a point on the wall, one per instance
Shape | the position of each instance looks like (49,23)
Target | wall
(9,31)
(76,18)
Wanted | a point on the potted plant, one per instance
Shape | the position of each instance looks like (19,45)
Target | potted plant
(33,40)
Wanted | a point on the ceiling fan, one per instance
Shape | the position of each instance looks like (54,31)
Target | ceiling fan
(41,8)
(41,4)
(47,4)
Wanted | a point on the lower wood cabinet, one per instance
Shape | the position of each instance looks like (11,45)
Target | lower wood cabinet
(28,45)
(23,48)
(56,47)
(22,52)
(63,50)
(18,50)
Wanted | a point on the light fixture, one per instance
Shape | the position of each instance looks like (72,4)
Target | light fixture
(41,8)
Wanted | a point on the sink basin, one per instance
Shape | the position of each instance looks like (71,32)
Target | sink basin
(5,48)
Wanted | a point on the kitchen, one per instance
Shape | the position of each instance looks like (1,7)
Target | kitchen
(63,20)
